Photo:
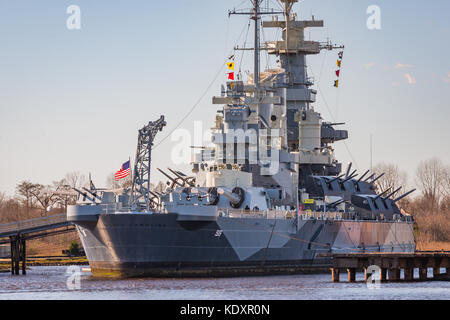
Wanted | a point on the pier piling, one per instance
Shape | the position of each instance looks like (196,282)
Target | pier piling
(351,274)
(409,274)
(391,264)
(18,255)
(423,274)
(394,274)
(334,275)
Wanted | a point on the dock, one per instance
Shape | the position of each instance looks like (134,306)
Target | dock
(17,233)
(390,264)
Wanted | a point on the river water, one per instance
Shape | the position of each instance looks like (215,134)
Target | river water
(62,283)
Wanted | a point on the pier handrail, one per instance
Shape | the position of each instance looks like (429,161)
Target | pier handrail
(18,226)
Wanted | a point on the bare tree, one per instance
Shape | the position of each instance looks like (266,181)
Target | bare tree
(2,199)
(45,196)
(24,190)
(62,195)
(393,178)
(446,179)
(432,178)
(2,204)
(75,179)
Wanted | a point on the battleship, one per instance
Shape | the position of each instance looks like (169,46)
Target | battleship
(267,196)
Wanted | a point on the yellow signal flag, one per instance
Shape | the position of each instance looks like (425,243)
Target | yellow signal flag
(339,63)
(230,65)
(336,83)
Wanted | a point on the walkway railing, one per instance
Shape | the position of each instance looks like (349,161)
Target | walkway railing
(31,224)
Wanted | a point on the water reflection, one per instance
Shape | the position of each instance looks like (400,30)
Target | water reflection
(50,283)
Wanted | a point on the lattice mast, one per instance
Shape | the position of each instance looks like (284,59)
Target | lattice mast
(140,189)
(256,12)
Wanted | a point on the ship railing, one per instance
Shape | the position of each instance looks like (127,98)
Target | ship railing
(267,214)
(349,216)
(314,215)
(110,208)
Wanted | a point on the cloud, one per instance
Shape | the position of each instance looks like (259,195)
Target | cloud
(402,66)
(447,79)
(369,65)
(411,80)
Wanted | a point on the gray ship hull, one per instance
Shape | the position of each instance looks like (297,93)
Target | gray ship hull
(160,245)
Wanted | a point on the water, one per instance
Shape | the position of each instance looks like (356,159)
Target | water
(51,283)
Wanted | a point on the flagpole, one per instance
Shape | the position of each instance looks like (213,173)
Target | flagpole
(131,171)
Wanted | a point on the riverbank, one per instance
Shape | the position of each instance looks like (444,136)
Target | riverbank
(41,261)
(432,246)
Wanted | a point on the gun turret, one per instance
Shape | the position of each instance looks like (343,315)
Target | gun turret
(236,197)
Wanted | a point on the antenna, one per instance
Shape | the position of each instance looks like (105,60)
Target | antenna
(255,14)
(371,153)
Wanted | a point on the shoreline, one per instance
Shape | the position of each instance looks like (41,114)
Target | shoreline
(36,261)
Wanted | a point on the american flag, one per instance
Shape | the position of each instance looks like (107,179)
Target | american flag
(124,171)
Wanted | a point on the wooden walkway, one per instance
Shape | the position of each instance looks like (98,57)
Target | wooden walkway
(16,234)
(389,265)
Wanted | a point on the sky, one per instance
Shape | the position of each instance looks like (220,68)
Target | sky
(73,100)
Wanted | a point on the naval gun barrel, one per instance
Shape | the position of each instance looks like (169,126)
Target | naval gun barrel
(337,178)
(405,195)
(94,194)
(362,177)
(234,198)
(381,194)
(349,177)
(174,181)
(153,194)
(377,178)
(85,195)
(348,170)
(185,178)
(336,203)
(392,193)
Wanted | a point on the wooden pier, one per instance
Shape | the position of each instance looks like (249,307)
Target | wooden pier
(16,234)
(389,265)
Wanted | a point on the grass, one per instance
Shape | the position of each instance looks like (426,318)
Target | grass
(432,246)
